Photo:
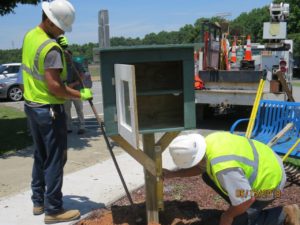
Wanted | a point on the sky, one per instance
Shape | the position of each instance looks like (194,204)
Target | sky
(127,18)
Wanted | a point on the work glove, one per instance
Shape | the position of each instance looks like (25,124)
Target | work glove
(86,94)
(63,42)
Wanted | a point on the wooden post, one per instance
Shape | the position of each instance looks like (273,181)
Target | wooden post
(151,160)
(137,154)
(150,181)
(159,180)
(166,139)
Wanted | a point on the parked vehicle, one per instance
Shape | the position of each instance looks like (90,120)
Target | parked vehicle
(237,86)
(9,70)
(10,89)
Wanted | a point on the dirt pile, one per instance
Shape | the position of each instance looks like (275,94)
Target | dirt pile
(186,200)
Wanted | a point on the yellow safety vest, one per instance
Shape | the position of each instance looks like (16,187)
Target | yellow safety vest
(257,160)
(36,45)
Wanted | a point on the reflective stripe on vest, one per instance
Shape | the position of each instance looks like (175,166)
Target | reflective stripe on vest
(243,160)
(35,73)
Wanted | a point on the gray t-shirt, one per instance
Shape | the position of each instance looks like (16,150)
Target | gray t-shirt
(53,59)
(233,180)
(238,188)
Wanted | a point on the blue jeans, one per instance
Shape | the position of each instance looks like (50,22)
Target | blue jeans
(256,214)
(49,133)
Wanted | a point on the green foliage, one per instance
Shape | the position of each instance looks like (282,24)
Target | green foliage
(250,23)
(12,55)
(187,34)
(246,23)
(296,38)
(121,41)
(85,50)
(7,6)
(15,55)
(162,37)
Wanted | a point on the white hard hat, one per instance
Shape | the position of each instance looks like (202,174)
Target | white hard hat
(61,13)
(187,150)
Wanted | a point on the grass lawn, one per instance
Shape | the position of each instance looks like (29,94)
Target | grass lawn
(296,84)
(293,161)
(13,130)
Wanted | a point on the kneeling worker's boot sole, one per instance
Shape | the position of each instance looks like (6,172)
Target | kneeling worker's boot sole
(292,214)
(64,216)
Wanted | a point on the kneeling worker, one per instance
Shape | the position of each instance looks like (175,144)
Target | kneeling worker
(245,172)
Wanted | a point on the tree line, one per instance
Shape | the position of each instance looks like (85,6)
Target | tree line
(246,23)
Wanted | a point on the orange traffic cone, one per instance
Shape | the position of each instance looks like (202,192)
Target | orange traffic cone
(198,84)
(233,52)
(248,53)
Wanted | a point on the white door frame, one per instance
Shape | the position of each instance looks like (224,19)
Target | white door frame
(127,103)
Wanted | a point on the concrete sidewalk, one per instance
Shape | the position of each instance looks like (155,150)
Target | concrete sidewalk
(88,189)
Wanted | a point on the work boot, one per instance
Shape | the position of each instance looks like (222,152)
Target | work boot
(64,216)
(38,210)
(292,215)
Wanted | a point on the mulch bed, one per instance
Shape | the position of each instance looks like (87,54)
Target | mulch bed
(186,200)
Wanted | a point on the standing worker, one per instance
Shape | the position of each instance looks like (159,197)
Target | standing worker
(246,173)
(44,70)
(73,82)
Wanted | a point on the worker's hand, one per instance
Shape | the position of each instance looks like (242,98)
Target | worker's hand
(63,42)
(225,219)
(86,94)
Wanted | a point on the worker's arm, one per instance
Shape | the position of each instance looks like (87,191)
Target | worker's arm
(57,88)
(234,211)
(74,84)
(237,186)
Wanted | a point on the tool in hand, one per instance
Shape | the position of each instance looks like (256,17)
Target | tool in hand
(62,40)
(101,124)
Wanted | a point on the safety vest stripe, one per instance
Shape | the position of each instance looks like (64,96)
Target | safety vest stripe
(35,72)
(226,158)
(29,71)
(244,160)
(256,161)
